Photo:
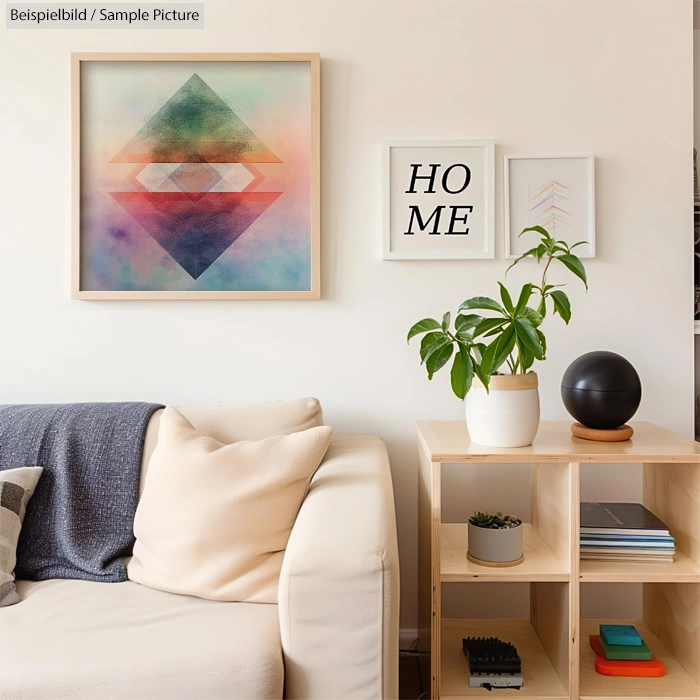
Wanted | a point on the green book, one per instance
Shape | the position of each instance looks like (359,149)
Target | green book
(620,652)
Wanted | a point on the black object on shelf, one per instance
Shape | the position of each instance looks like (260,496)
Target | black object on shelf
(490,655)
(601,390)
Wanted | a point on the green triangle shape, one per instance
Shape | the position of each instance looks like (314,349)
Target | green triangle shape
(195,125)
(195,112)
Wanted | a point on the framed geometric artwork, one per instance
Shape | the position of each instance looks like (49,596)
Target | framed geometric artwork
(557,193)
(439,200)
(196,176)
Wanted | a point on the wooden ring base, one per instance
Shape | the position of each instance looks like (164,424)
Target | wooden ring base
(624,432)
(498,564)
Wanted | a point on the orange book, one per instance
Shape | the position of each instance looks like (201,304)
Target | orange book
(638,669)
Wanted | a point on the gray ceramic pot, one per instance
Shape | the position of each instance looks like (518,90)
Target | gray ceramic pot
(498,547)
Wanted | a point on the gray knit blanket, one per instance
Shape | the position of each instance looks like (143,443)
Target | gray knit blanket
(79,522)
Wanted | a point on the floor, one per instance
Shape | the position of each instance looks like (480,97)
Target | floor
(409,677)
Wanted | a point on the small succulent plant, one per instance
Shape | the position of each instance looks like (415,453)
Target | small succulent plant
(494,521)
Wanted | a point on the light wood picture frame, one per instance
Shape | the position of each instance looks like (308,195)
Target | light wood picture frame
(196,176)
(556,192)
(439,201)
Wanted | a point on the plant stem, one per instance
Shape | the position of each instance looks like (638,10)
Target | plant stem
(543,294)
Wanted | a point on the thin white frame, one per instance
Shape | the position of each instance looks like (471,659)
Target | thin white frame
(591,199)
(489,253)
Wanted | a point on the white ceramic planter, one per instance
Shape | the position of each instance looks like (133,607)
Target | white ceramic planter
(507,416)
(495,547)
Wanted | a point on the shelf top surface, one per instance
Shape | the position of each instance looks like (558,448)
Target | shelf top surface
(448,441)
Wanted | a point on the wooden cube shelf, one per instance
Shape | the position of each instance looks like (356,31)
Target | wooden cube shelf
(553,642)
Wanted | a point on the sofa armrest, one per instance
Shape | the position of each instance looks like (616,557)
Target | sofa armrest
(339,586)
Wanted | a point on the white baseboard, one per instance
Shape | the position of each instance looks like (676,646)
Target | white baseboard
(407,635)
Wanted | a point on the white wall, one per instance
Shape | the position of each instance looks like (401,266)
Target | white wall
(609,78)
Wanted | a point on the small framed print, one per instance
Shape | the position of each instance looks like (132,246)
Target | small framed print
(557,193)
(439,200)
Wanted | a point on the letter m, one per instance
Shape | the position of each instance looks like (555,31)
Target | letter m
(415,215)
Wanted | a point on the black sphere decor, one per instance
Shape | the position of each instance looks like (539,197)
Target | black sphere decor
(601,390)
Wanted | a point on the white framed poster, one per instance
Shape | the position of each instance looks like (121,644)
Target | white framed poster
(557,193)
(439,200)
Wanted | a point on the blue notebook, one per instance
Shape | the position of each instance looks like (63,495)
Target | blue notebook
(620,635)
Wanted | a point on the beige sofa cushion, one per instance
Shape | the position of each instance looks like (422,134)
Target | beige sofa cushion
(214,519)
(232,423)
(16,488)
(80,640)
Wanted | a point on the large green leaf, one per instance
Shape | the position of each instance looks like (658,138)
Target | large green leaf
(441,341)
(482,374)
(427,341)
(488,356)
(525,294)
(465,321)
(488,324)
(482,303)
(526,357)
(493,332)
(438,359)
(562,305)
(462,372)
(531,315)
(505,298)
(498,350)
(528,337)
(427,324)
(504,347)
(575,265)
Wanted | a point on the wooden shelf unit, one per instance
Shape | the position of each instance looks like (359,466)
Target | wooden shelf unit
(553,643)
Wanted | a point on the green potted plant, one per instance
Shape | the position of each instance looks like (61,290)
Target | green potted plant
(494,350)
(494,539)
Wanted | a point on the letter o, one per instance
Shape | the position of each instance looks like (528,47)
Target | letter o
(467,178)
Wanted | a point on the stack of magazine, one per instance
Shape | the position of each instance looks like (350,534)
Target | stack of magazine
(624,532)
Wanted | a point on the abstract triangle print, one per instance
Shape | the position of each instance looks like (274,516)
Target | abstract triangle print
(195,125)
(198,176)
(193,129)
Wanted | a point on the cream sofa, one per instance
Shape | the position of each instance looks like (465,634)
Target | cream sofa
(332,635)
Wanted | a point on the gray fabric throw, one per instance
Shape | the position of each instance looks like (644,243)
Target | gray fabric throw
(79,522)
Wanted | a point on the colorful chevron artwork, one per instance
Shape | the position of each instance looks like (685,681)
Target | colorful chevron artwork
(548,206)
